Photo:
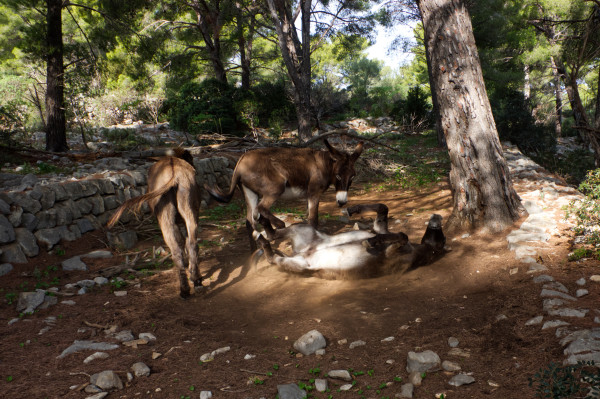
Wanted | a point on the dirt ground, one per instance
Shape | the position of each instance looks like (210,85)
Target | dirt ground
(262,311)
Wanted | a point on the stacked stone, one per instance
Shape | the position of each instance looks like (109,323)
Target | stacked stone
(42,212)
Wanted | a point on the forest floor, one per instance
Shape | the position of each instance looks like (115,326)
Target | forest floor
(262,311)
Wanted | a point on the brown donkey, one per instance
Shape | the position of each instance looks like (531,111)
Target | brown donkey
(173,191)
(266,174)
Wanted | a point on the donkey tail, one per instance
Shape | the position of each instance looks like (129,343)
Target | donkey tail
(135,204)
(217,194)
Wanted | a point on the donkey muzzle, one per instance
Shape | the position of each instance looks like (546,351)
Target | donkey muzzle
(341,198)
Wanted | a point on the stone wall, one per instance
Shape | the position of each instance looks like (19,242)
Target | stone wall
(36,214)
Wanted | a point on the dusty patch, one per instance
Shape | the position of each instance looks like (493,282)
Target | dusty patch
(262,311)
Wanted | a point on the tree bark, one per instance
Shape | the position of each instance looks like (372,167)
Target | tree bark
(597,111)
(56,130)
(483,192)
(210,23)
(558,99)
(296,57)
(441,140)
(581,121)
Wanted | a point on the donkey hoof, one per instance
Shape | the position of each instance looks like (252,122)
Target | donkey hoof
(279,224)
(198,282)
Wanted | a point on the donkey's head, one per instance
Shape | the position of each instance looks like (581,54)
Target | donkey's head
(343,170)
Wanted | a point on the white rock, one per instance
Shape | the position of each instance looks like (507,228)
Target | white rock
(447,365)
(356,344)
(206,394)
(310,342)
(536,320)
(461,379)
(147,336)
(422,361)
(140,369)
(94,356)
(320,384)
(554,323)
(406,390)
(340,375)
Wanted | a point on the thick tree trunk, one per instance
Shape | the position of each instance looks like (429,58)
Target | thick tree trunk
(210,24)
(245,47)
(56,131)
(558,100)
(296,57)
(579,114)
(597,111)
(483,193)
(441,140)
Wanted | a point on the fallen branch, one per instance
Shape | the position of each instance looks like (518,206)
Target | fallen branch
(103,327)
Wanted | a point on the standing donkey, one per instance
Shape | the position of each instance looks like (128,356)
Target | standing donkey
(172,192)
(266,174)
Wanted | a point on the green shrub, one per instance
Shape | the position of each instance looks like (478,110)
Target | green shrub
(516,124)
(414,108)
(571,381)
(123,139)
(12,121)
(205,107)
(587,211)
(274,106)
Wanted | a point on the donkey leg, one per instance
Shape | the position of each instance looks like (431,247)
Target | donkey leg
(189,213)
(266,247)
(174,240)
(290,263)
(264,209)
(250,231)
(380,225)
(313,210)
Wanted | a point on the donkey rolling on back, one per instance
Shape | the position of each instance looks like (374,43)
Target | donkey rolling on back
(173,191)
(353,253)
(266,174)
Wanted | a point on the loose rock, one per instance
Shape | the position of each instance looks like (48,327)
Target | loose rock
(106,380)
(461,379)
(422,361)
(140,369)
(310,342)
(290,391)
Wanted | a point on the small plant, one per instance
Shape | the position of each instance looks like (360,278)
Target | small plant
(9,378)
(587,211)
(557,382)
(117,284)
(258,381)
(580,253)
(10,297)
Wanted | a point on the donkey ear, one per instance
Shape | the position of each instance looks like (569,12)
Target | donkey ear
(357,151)
(334,153)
